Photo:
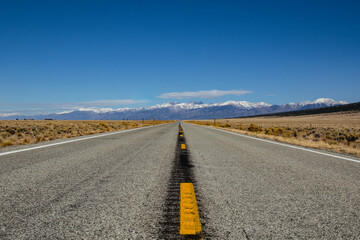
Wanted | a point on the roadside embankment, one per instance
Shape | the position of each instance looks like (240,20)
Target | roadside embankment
(21,132)
(339,132)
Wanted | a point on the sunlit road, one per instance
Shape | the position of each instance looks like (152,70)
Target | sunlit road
(123,186)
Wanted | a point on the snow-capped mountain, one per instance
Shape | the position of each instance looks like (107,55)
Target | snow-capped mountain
(197,105)
(325,101)
(190,110)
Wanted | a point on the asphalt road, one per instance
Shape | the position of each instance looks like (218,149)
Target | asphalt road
(122,186)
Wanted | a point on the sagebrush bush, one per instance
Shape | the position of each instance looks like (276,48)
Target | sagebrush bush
(254,128)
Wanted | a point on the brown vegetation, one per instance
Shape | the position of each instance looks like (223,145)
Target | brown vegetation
(338,132)
(22,132)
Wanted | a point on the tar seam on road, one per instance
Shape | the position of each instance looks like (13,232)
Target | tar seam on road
(283,144)
(182,172)
(76,140)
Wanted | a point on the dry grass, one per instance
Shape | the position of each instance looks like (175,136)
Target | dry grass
(23,132)
(339,132)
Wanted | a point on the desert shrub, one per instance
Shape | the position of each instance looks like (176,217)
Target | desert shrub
(352,137)
(21,130)
(6,143)
(254,128)
(10,130)
(341,136)
(5,134)
(104,125)
(133,124)
(274,131)
(295,133)
(332,142)
(279,131)
(317,135)
(239,126)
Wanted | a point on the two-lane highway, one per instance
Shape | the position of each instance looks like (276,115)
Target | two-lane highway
(124,186)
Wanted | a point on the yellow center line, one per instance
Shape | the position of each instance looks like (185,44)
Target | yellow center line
(181,135)
(189,214)
(183,146)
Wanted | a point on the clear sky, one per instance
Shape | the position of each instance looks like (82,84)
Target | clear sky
(58,55)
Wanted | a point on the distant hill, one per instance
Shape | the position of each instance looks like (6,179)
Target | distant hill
(191,110)
(351,107)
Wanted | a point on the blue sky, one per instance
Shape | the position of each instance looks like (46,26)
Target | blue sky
(58,55)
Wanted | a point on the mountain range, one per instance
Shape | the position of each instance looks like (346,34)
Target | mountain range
(190,110)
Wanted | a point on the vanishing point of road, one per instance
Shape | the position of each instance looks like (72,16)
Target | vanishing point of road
(126,185)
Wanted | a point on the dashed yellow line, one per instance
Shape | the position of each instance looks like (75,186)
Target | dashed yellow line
(189,214)
(183,146)
(181,135)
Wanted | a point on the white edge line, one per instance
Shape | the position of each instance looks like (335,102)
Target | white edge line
(76,140)
(281,144)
